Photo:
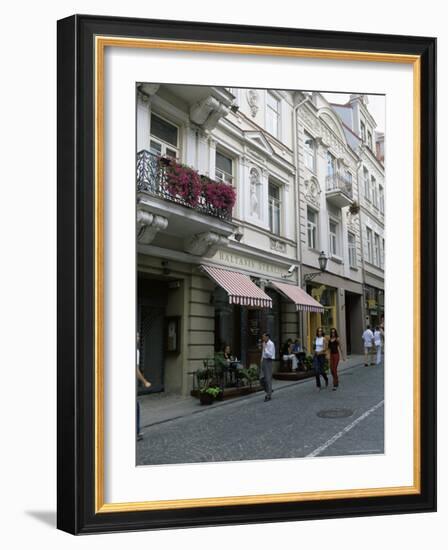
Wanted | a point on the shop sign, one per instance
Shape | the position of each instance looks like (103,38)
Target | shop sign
(229,259)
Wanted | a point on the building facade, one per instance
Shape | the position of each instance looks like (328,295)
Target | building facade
(210,275)
(329,194)
(371,179)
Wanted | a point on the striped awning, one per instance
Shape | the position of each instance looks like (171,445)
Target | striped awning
(239,287)
(302,300)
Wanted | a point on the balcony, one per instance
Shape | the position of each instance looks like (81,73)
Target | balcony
(339,190)
(177,205)
(153,178)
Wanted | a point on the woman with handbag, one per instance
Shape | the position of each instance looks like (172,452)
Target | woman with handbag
(320,352)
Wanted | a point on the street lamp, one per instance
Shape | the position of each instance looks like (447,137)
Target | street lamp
(322,266)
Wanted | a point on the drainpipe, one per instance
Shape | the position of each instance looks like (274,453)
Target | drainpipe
(297,205)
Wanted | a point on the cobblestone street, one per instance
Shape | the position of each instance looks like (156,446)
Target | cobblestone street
(300,421)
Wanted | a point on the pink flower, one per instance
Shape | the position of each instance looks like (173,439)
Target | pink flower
(182,181)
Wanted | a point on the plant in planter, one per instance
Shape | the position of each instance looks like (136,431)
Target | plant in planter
(354,208)
(308,362)
(218,195)
(208,394)
(181,181)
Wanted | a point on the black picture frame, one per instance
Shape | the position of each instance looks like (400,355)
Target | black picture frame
(76,473)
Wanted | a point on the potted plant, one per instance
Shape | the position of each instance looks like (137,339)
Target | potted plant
(208,394)
(308,362)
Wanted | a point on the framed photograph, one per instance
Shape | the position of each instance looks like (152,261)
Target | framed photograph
(246,274)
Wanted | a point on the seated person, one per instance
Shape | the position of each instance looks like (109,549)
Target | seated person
(227,354)
(287,353)
(296,347)
(299,351)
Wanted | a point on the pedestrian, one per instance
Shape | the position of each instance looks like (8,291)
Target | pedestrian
(367,337)
(378,341)
(334,345)
(267,356)
(320,352)
(146,383)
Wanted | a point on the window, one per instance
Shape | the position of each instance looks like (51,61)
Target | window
(363,132)
(164,137)
(377,251)
(366,184)
(274,208)
(381,193)
(348,183)
(331,164)
(224,168)
(383,253)
(273,114)
(352,250)
(369,245)
(334,249)
(331,171)
(369,139)
(312,228)
(374,193)
(309,152)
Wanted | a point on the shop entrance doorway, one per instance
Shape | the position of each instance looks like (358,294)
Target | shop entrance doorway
(152,297)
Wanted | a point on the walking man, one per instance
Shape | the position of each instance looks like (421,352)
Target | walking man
(378,341)
(267,356)
(367,337)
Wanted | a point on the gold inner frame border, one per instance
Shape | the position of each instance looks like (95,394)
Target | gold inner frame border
(101,42)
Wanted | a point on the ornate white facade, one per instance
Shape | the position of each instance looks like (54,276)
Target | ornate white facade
(291,160)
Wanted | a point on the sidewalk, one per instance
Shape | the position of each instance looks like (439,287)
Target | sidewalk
(161,407)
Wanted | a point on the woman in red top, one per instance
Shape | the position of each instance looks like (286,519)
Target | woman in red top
(334,347)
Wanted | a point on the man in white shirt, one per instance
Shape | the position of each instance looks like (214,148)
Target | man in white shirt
(267,356)
(367,337)
(378,341)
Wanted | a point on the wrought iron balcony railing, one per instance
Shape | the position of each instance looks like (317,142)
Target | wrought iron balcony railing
(152,179)
(338,182)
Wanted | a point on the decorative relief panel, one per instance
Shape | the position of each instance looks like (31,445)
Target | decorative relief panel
(278,246)
(327,138)
(253,99)
(312,192)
